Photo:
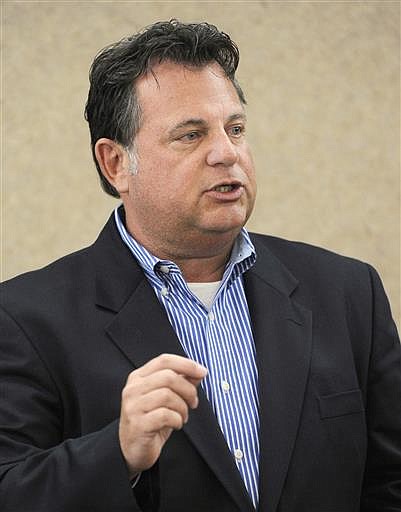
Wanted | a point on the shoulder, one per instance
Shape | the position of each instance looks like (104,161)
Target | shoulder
(328,282)
(68,279)
(48,285)
(295,253)
(315,266)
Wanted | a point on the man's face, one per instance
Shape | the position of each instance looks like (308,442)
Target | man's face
(195,179)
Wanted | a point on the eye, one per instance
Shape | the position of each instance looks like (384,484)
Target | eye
(237,130)
(190,137)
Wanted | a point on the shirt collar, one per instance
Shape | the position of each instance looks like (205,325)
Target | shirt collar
(243,255)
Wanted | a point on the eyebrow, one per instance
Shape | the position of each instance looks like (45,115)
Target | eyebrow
(201,123)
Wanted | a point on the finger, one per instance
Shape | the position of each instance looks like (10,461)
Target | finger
(194,382)
(179,364)
(165,398)
(140,386)
(160,419)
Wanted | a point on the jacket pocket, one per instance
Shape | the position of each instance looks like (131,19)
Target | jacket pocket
(341,404)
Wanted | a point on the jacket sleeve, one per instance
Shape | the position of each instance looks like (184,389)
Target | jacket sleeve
(40,470)
(382,482)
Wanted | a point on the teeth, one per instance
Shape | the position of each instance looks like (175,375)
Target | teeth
(224,188)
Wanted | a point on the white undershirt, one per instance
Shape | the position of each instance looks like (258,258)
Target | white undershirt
(205,292)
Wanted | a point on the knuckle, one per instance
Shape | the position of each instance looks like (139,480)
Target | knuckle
(165,395)
(164,359)
(169,377)
(128,389)
(125,393)
(164,416)
(132,376)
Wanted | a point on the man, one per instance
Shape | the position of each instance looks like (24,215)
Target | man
(179,363)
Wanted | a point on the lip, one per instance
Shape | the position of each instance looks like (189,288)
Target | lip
(231,196)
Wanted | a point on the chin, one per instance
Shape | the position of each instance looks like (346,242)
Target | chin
(225,228)
(224,222)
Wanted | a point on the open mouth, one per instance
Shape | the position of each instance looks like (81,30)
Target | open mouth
(226,188)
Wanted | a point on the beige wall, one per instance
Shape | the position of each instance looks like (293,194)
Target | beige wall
(322,82)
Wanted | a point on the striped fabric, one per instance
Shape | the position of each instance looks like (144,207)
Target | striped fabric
(221,340)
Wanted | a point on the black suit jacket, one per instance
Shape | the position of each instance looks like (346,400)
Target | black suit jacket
(329,387)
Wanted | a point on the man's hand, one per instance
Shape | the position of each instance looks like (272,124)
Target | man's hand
(155,401)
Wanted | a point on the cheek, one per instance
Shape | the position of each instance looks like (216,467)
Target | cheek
(158,190)
(249,168)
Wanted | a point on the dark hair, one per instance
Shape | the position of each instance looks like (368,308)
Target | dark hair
(112,109)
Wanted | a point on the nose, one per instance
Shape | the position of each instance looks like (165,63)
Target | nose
(222,151)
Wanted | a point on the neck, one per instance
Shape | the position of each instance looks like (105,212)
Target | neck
(201,259)
(203,270)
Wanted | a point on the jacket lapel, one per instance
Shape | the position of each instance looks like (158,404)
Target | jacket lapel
(282,333)
(141,330)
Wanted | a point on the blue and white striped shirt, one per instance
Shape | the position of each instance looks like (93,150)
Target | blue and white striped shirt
(221,340)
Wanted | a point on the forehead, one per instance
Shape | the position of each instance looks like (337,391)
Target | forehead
(174,89)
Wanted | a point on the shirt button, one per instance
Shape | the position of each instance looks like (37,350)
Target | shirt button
(211,316)
(164,291)
(225,386)
(164,269)
(238,454)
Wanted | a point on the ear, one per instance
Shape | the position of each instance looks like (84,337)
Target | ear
(114,163)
